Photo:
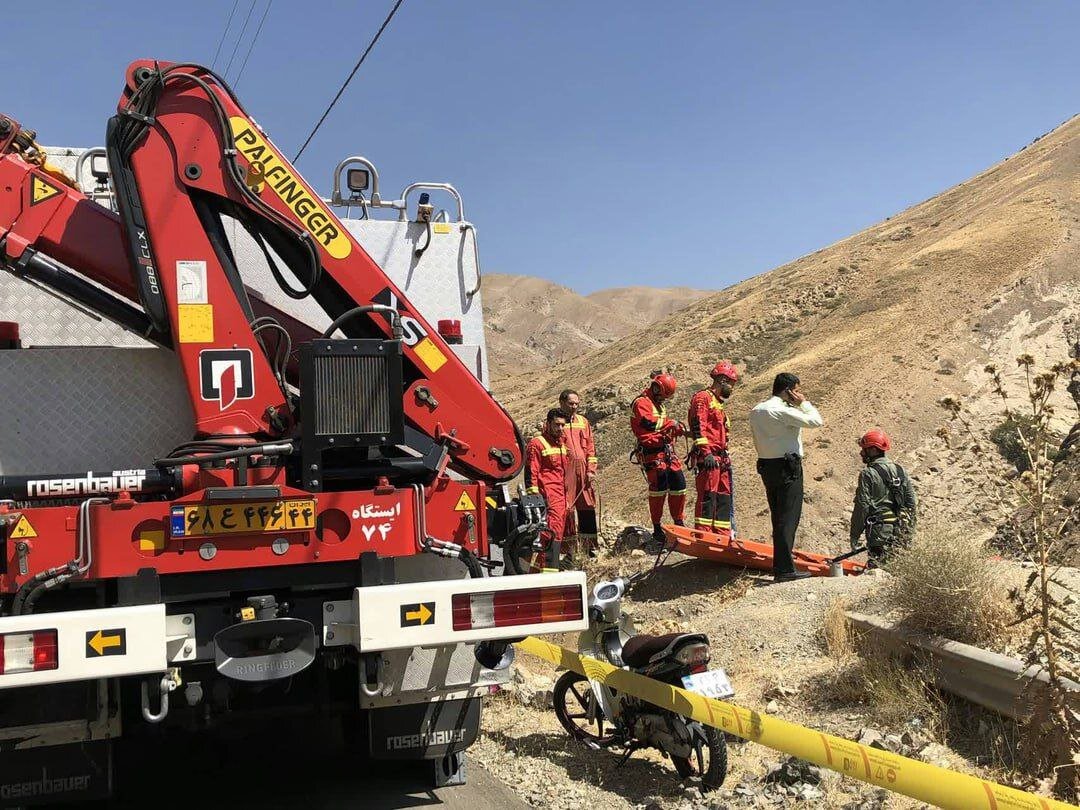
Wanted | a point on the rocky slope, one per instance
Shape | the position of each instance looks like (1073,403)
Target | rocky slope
(533,323)
(880,326)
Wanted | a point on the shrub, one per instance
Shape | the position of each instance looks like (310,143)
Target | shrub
(944,583)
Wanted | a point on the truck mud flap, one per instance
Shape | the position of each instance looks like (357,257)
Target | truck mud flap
(424,730)
(56,773)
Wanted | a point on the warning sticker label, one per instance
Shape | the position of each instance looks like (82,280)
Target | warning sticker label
(22,529)
(465,503)
(196,323)
(41,190)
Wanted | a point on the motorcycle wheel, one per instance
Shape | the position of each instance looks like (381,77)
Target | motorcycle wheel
(574,701)
(709,760)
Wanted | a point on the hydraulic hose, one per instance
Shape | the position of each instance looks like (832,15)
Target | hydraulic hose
(395,319)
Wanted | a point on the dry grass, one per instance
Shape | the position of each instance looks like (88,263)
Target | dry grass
(890,692)
(946,584)
(837,631)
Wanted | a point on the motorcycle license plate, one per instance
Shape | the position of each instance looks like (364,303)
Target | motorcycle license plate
(714,684)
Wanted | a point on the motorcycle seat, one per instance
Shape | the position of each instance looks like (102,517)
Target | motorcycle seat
(640,650)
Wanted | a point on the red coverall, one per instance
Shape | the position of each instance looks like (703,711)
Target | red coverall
(545,473)
(709,425)
(582,460)
(655,431)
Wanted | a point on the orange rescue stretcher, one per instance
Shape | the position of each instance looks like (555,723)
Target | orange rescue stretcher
(741,553)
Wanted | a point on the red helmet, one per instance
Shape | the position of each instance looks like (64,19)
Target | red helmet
(725,368)
(665,385)
(875,438)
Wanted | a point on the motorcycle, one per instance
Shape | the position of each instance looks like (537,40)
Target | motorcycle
(602,718)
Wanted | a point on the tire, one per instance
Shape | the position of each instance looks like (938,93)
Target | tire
(709,760)
(573,716)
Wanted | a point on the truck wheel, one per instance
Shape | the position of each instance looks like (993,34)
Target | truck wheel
(709,760)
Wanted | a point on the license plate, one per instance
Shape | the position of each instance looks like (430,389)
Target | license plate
(714,684)
(242,518)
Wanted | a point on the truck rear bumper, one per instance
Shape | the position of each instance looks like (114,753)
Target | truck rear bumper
(99,643)
(142,639)
(448,612)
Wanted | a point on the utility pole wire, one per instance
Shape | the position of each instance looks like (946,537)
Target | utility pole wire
(356,67)
(239,39)
(224,33)
(251,47)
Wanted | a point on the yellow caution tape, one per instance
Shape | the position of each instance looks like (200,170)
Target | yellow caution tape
(919,780)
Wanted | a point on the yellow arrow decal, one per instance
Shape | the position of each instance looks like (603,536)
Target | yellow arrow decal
(106,642)
(417,614)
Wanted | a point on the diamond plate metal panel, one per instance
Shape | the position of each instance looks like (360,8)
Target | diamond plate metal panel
(75,409)
(420,674)
(435,283)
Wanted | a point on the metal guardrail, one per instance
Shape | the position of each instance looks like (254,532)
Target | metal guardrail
(997,682)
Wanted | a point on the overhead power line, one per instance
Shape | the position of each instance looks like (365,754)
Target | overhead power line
(224,33)
(251,47)
(356,67)
(239,39)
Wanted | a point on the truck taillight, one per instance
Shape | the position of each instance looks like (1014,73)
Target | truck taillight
(28,652)
(475,611)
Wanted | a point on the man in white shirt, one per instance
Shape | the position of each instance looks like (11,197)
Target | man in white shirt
(776,425)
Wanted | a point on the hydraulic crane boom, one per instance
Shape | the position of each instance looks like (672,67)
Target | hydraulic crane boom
(183,154)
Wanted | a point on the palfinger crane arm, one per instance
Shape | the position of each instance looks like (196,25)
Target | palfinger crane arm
(183,154)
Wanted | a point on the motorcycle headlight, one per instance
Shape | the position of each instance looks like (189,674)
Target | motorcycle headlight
(693,655)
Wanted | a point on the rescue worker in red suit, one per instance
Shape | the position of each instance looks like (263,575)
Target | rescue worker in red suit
(709,427)
(655,432)
(581,471)
(545,473)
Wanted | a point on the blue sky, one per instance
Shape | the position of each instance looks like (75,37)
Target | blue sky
(603,144)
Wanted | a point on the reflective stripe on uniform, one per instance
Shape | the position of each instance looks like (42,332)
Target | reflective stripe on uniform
(658,494)
(676,492)
(700,441)
(533,490)
(549,450)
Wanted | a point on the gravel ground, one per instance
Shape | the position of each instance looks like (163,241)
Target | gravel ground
(768,638)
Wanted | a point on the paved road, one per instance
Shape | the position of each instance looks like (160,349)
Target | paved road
(287,769)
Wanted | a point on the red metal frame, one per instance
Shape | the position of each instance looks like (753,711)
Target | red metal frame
(63,224)
(127,535)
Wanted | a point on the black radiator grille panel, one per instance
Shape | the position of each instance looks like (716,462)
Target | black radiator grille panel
(353,395)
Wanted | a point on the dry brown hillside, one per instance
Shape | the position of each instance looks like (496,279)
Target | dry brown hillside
(532,322)
(879,325)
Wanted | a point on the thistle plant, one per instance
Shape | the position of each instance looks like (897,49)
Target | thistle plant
(1050,743)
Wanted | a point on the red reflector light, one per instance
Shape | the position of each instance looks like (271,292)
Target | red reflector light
(32,651)
(475,611)
(45,652)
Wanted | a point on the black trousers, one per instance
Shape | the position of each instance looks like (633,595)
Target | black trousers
(783,480)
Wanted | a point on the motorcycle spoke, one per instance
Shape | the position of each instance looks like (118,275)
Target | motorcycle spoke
(580,698)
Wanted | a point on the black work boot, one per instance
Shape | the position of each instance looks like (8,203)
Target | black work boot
(658,539)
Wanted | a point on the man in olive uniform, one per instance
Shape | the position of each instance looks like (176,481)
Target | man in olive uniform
(884,500)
